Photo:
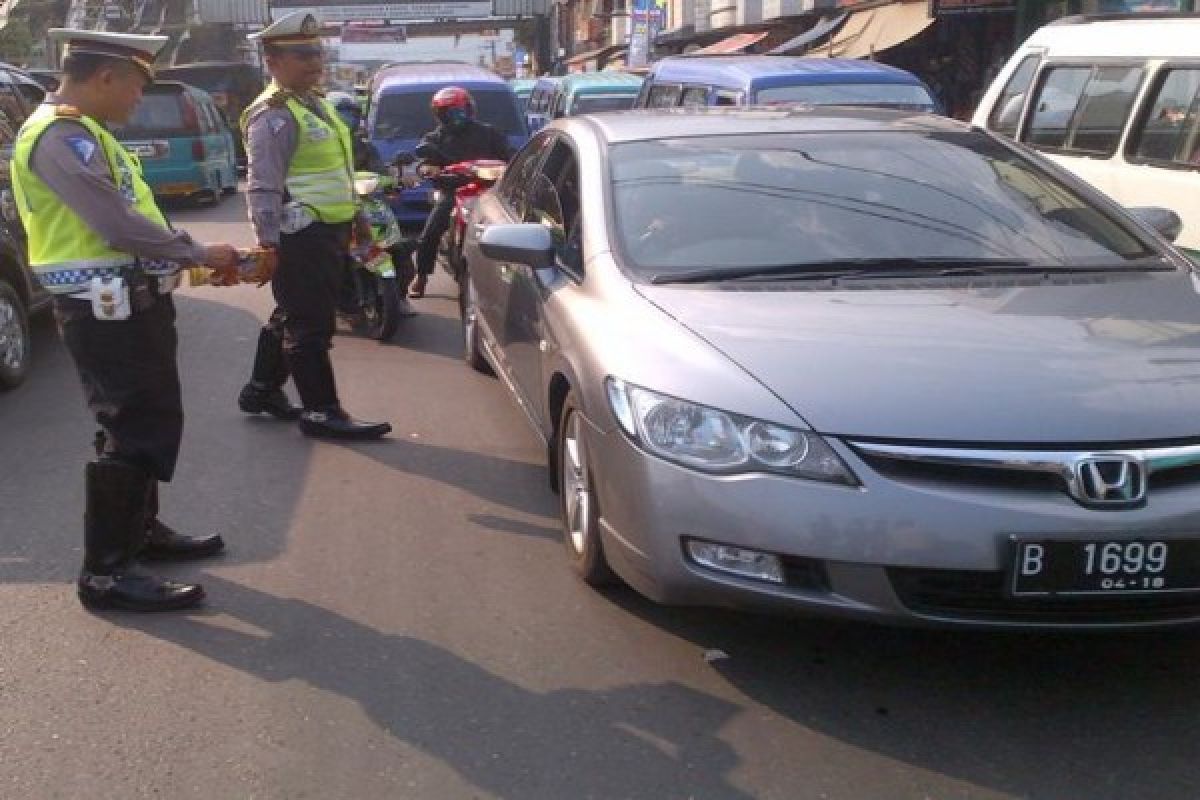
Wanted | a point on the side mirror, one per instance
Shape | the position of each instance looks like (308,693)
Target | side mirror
(1164,220)
(526,243)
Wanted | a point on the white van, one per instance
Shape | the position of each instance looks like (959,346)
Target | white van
(1115,99)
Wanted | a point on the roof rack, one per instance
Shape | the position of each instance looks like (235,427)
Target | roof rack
(1083,19)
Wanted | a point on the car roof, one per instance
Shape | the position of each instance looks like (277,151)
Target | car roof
(601,81)
(775,70)
(679,123)
(1083,37)
(436,73)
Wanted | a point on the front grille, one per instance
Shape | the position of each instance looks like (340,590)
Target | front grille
(980,596)
(930,473)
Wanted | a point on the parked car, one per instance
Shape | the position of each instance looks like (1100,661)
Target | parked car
(234,85)
(592,92)
(184,143)
(855,361)
(399,114)
(21,297)
(773,80)
(537,111)
(522,88)
(1117,101)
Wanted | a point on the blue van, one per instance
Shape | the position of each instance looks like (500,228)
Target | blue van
(591,92)
(184,143)
(399,114)
(770,80)
(537,110)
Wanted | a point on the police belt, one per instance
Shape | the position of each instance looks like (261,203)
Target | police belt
(154,276)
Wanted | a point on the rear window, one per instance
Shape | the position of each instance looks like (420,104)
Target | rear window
(158,113)
(891,95)
(406,115)
(593,103)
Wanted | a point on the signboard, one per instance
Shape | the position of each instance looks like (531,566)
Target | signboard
(942,8)
(639,34)
(355,12)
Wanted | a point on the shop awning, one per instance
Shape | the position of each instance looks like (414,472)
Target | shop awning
(874,30)
(732,44)
(593,55)
(826,27)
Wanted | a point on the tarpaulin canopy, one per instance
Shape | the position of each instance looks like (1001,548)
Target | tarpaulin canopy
(731,44)
(826,27)
(874,30)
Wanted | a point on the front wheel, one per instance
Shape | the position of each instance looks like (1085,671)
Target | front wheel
(15,341)
(382,308)
(578,505)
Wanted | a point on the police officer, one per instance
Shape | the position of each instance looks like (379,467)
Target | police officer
(99,243)
(458,137)
(302,206)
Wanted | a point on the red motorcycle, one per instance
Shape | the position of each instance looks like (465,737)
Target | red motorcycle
(468,180)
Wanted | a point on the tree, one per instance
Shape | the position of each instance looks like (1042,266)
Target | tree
(16,40)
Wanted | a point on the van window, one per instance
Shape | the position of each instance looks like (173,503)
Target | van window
(157,113)
(1006,114)
(1170,133)
(663,96)
(407,115)
(1083,109)
(727,98)
(695,96)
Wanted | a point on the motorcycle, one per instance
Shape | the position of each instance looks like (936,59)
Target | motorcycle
(373,297)
(468,180)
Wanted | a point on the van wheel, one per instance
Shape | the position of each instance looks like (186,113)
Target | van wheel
(15,341)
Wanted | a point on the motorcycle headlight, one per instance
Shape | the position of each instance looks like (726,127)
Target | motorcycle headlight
(711,440)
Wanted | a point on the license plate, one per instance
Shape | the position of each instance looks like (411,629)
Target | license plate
(1095,567)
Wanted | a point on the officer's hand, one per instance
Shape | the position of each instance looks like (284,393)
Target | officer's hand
(220,256)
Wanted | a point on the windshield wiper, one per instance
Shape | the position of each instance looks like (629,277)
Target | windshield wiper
(844,268)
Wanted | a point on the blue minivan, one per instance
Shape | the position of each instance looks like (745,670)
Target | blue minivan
(537,110)
(772,80)
(184,143)
(399,114)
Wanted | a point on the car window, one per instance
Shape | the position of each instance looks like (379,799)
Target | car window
(1006,114)
(663,96)
(407,114)
(158,113)
(554,203)
(727,98)
(593,103)
(794,200)
(1170,132)
(514,186)
(1084,109)
(695,96)
(12,114)
(892,95)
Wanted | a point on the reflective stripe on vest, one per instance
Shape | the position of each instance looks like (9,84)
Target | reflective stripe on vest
(64,252)
(320,174)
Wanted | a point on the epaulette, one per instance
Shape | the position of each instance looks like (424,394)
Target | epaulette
(70,112)
(279,99)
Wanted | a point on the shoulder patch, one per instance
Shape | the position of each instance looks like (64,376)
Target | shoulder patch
(276,125)
(84,147)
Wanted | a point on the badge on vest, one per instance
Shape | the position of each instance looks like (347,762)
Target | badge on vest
(110,299)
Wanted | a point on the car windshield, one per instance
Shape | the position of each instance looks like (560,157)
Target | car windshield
(157,113)
(816,199)
(593,103)
(406,115)
(891,95)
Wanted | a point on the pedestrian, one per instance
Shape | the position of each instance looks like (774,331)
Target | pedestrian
(302,205)
(99,243)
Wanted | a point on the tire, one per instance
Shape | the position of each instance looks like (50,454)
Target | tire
(382,316)
(16,344)
(579,509)
(468,307)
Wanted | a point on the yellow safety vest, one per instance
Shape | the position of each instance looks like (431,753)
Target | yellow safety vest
(64,252)
(320,175)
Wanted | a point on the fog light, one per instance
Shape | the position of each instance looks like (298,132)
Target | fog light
(736,560)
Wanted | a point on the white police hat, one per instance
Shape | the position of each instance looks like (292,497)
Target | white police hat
(299,32)
(138,48)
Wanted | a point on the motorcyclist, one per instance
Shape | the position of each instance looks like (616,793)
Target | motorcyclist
(458,137)
(366,157)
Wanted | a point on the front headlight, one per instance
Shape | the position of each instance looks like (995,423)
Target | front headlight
(710,440)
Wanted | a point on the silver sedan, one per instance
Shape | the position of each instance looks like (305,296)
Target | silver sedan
(851,361)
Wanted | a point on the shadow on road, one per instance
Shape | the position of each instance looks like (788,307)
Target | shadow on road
(655,741)
(238,475)
(1038,716)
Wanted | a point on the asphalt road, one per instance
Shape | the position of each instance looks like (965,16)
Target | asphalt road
(396,620)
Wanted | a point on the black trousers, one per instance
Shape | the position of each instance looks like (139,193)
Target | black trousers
(435,227)
(312,266)
(130,381)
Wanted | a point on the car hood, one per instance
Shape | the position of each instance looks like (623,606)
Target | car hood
(1111,359)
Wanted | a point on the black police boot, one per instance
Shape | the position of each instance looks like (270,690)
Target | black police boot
(114,527)
(323,415)
(334,423)
(264,393)
(164,544)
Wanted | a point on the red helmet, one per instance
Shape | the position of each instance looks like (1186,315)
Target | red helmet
(447,100)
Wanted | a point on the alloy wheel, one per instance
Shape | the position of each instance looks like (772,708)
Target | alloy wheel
(577,493)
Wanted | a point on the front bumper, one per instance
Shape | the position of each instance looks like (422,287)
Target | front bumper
(891,550)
